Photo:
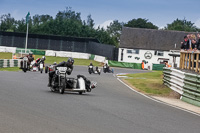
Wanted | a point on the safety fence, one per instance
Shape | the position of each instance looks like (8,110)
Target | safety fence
(124,64)
(9,63)
(75,55)
(20,52)
(186,84)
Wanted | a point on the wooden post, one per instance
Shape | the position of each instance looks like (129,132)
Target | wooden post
(183,61)
(189,61)
(186,60)
(197,62)
(181,58)
(193,62)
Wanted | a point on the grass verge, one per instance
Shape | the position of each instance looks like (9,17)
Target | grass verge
(10,69)
(5,55)
(148,83)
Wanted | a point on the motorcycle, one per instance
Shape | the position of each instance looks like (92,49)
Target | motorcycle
(25,66)
(37,67)
(60,83)
(107,69)
(41,66)
(90,69)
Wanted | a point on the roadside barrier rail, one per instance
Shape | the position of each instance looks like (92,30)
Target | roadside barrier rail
(186,84)
(9,63)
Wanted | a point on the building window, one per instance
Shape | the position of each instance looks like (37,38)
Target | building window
(132,51)
(159,53)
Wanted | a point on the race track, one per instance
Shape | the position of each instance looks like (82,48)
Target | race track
(28,106)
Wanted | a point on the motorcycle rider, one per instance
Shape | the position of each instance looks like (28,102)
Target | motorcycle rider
(107,67)
(30,59)
(68,64)
(92,67)
(39,60)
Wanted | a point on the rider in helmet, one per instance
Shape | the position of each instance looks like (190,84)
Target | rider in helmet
(68,64)
(39,60)
(30,59)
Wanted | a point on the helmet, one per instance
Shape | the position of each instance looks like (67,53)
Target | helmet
(54,63)
(70,61)
(43,58)
(30,53)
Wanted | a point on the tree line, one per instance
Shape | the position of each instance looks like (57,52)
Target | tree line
(69,23)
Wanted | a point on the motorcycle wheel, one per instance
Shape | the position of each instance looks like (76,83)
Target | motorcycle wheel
(41,70)
(80,92)
(24,69)
(46,69)
(62,87)
(53,88)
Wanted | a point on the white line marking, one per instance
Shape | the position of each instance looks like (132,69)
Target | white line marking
(158,100)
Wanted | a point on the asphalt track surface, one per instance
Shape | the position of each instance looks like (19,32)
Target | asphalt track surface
(28,106)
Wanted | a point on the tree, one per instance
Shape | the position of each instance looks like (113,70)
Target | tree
(182,25)
(140,23)
(8,23)
(114,29)
(90,21)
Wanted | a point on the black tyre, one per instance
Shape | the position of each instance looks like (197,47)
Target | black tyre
(41,70)
(24,69)
(46,69)
(80,92)
(53,84)
(62,86)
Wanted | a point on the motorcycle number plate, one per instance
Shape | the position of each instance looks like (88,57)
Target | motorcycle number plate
(61,69)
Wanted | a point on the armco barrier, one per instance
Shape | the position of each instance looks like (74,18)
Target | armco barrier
(186,84)
(9,63)
(125,64)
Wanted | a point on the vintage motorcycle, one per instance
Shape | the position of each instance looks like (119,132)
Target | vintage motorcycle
(25,66)
(107,69)
(91,70)
(61,83)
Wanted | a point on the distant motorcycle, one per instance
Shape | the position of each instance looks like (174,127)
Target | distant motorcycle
(38,66)
(91,70)
(107,69)
(61,83)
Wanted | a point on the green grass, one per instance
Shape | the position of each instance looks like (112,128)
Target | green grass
(83,62)
(149,83)
(10,69)
(5,55)
(49,60)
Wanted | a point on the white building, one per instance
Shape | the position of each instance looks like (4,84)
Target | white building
(149,45)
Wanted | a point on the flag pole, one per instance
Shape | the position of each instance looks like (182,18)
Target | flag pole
(26,38)
(27,21)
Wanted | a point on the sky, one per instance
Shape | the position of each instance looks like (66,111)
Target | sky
(159,12)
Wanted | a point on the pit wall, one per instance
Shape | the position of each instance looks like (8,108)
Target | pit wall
(186,84)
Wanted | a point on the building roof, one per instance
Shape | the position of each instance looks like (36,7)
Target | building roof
(151,39)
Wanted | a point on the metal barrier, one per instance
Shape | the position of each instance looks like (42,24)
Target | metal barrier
(186,84)
(9,63)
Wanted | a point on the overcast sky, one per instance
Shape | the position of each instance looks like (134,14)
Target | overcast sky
(159,12)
